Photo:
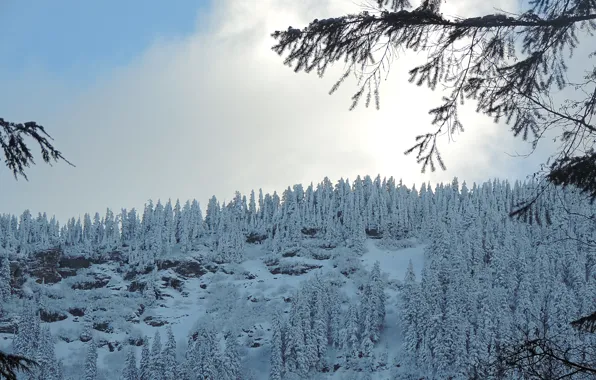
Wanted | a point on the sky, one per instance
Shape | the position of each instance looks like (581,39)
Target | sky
(185,99)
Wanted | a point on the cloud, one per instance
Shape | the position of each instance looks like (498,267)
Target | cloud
(217,111)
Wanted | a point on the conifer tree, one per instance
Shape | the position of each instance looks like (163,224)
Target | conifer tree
(157,361)
(145,365)
(276,360)
(5,277)
(230,363)
(91,361)
(169,357)
(130,372)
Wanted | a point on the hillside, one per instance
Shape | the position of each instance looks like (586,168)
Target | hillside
(316,283)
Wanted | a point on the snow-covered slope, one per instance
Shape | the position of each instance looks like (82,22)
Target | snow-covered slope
(362,280)
(242,296)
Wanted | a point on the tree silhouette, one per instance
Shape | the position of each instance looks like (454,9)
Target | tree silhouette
(18,157)
(17,154)
(508,64)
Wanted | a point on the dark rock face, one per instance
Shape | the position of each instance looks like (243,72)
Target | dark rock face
(291,253)
(8,327)
(99,281)
(294,270)
(136,341)
(136,286)
(74,263)
(190,269)
(103,327)
(76,312)
(155,321)
(167,264)
(255,238)
(172,282)
(44,266)
(50,316)
(131,275)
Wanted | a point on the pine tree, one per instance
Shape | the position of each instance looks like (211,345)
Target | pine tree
(26,341)
(169,357)
(157,361)
(130,371)
(230,365)
(91,361)
(145,367)
(5,277)
(351,335)
(46,358)
(276,360)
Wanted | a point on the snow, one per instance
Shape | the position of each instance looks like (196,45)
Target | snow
(185,312)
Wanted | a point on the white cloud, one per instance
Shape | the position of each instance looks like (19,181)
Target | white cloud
(217,112)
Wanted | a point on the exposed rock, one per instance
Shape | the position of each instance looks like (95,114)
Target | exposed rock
(76,312)
(44,266)
(155,321)
(67,272)
(172,282)
(112,346)
(190,269)
(51,316)
(295,270)
(255,238)
(116,256)
(203,286)
(103,327)
(131,275)
(291,253)
(75,263)
(17,274)
(373,233)
(136,342)
(166,264)
(136,286)
(140,310)
(99,281)
(8,327)
(255,345)
(309,231)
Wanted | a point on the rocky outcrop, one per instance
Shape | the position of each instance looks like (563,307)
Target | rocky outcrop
(294,270)
(76,312)
(51,316)
(96,281)
(155,321)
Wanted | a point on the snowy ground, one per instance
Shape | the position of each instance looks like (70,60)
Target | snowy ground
(244,299)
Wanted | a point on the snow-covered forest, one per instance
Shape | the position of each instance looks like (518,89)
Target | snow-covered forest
(487,280)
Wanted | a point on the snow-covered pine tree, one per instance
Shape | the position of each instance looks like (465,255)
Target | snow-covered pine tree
(25,342)
(145,365)
(184,228)
(157,361)
(172,371)
(91,361)
(5,277)
(351,335)
(169,234)
(276,359)
(130,371)
(230,361)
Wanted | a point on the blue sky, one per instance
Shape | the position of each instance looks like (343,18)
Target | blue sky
(78,40)
(185,99)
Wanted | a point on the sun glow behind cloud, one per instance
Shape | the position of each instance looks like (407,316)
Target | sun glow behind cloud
(217,111)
